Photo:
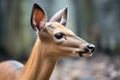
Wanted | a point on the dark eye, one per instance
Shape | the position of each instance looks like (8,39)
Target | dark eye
(59,35)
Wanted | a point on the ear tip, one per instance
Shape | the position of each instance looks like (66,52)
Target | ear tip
(66,9)
(36,6)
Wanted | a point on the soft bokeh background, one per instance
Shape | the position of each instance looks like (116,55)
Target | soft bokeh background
(96,21)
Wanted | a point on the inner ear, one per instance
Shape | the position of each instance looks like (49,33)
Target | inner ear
(63,20)
(60,16)
(38,17)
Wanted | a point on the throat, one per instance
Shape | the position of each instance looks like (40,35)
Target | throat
(46,69)
(38,66)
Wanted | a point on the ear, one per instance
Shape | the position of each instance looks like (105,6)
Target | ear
(38,18)
(60,16)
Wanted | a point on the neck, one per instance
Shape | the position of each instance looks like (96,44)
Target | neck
(39,66)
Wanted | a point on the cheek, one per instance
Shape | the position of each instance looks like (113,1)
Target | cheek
(46,38)
(68,43)
(55,50)
(64,50)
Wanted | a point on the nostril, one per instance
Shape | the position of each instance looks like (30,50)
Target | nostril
(91,47)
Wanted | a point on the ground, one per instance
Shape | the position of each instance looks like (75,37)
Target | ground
(98,67)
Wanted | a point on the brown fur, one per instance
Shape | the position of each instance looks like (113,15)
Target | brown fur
(47,49)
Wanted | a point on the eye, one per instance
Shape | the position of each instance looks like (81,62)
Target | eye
(59,35)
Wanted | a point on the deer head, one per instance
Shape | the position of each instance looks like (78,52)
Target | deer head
(60,41)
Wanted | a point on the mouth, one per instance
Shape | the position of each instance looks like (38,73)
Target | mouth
(85,54)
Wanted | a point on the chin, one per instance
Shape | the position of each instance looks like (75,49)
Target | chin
(86,55)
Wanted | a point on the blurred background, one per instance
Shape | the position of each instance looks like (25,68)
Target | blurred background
(96,21)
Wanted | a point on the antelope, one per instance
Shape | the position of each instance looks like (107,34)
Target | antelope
(54,41)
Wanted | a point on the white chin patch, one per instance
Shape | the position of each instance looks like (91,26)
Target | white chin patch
(87,55)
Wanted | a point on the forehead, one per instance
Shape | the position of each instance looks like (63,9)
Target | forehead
(61,28)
